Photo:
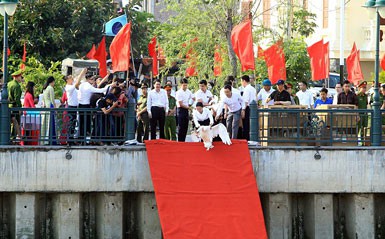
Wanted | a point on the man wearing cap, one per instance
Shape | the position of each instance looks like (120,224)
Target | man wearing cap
(362,104)
(143,129)
(14,96)
(280,96)
(183,98)
(170,125)
(106,105)
(264,93)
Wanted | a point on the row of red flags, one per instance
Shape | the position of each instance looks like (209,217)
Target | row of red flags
(242,42)
(119,51)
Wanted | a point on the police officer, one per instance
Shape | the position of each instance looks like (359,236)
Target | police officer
(362,104)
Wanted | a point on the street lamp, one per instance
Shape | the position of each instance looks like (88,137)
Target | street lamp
(7,8)
(379,7)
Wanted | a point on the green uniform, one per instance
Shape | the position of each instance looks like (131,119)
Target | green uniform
(14,96)
(363,123)
(170,124)
(143,128)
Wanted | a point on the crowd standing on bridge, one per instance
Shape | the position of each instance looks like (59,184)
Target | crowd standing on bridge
(162,111)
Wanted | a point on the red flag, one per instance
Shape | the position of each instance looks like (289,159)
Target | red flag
(24,59)
(226,204)
(91,53)
(319,60)
(217,61)
(8,52)
(327,60)
(383,63)
(120,49)
(242,41)
(260,53)
(101,57)
(275,61)
(353,66)
(152,52)
(191,58)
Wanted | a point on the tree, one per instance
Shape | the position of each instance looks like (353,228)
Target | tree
(56,29)
(209,21)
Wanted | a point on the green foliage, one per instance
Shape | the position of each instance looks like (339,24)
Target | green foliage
(56,29)
(205,20)
(303,23)
(36,72)
(143,27)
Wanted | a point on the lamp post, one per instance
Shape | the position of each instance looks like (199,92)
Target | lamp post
(379,7)
(7,8)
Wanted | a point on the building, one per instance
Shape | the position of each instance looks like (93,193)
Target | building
(359,26)
(155,7)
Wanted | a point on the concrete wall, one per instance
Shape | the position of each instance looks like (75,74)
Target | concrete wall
(107,192)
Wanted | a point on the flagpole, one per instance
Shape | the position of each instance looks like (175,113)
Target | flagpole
(342,39)
(132,54)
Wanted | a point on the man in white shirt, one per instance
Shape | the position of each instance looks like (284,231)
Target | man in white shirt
(338,90)
(183,97)
(86,89)
(203,94)
(265,93)
(230,81)
(305,97)
(234,111)
(71,90)
(202,116)
(157,108)
(249,95)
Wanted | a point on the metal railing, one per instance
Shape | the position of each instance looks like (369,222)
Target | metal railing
(72,126)
(305,127)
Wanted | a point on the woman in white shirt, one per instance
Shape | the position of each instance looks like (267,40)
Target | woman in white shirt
(202,116)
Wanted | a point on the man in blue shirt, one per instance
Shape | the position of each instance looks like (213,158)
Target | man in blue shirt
(323,100)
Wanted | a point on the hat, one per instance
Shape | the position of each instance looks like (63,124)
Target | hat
(110,96)
(144,85)
(280,82)
(17,73)
(362,84)
(266,82)
(168,87)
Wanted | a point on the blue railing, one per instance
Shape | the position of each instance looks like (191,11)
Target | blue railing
(72,126)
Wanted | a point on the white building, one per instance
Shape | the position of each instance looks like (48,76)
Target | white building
(359,26)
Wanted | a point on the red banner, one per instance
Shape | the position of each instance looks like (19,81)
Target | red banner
(205,194)
(275,62)
(242,41)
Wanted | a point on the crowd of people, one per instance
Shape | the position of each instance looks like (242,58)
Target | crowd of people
(161,110)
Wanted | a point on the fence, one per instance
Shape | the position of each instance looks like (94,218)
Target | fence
(269,127)
(305,127)
(73,126)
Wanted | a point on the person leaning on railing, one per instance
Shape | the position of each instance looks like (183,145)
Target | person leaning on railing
(86,89)
(280,96)
(347,96)
(104,105)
